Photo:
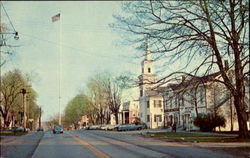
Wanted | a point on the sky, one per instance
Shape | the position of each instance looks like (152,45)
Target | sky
(88,46)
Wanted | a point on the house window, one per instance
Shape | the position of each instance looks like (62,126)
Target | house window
(176,101)
(142,70)
(157,118)
(149,70)
(170,103)
(141,92)
(157,103)
(179,100)
(148,118)
(201,97)
(182,100)
(148,104)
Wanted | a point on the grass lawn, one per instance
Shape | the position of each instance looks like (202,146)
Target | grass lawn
(195,137)
(11,133)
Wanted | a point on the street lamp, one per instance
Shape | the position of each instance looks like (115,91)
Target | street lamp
(16,37)
(23,91)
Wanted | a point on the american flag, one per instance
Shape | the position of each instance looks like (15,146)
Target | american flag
(56,17)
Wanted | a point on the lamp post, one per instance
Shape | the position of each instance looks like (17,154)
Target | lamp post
(24,92)
(40,115)
(27,110)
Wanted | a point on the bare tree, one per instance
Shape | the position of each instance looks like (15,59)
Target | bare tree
(97,94)
(114,90)
(114,98)
(208,31)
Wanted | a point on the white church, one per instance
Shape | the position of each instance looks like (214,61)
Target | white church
(161,106)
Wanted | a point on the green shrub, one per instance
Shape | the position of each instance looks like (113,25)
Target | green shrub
(208,122)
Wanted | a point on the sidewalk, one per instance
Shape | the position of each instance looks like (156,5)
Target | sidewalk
(174,149)
(236,149)
(11,139)
(148,131)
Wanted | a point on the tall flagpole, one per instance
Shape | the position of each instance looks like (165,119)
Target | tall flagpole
(60,119)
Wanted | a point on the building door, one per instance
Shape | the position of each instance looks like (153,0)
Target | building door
(126,117)
(170,120)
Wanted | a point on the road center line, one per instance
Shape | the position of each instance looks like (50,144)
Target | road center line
(90,147)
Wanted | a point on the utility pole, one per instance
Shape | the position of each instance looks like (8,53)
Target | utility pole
(28,111)
(1,41)
(40,117)
(24,92)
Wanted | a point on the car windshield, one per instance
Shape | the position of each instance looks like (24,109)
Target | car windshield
(57,128)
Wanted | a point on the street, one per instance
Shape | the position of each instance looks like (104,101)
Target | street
(103,144)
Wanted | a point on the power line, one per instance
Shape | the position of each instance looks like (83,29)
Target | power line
(77,49)
(8,17)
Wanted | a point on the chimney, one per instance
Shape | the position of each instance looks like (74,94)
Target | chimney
(226,65)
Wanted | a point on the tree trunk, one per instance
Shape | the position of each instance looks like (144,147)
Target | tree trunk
(6,121)
(116,117)
(242,116)
(196,107)
(231,114)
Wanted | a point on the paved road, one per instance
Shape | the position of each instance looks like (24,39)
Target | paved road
(61,146)
(101,144)
(168,149)
(76,144)
(89,144)
(19,146)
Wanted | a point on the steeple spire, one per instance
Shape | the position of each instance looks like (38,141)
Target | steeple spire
(147,52)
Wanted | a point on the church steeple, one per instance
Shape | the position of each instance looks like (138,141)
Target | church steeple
(147,63)
(147,78)
(147,52)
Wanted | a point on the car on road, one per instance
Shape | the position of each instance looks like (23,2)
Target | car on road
(18,129)
(124,127)
(86,128)
(57,129)
(108,127)
(95,127)
(130,127)
(138,127)
(111,127)
(39,129)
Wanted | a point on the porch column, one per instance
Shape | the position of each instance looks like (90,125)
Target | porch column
(123,117)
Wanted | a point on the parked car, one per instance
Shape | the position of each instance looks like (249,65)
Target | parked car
(18,129)
(137,127)
(124,127)
(57,129)
(110,127)
(129,127)
(104,127)
(113,127)
(86,127)
(95,127)
(39,129)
